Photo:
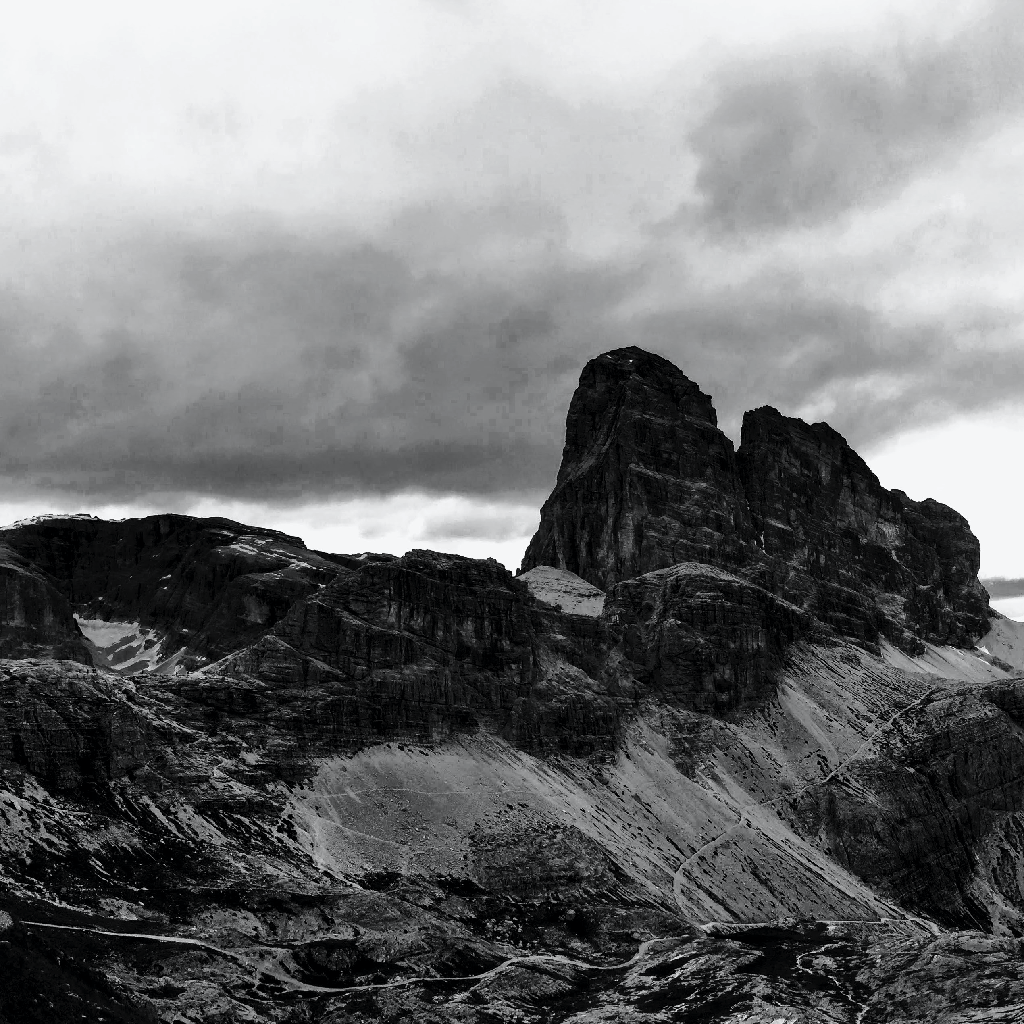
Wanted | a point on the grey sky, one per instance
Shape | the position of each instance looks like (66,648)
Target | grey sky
(358,252)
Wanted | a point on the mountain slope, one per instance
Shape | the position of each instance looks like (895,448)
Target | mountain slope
(750,748)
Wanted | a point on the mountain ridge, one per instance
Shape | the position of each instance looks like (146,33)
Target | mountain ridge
(794,508)
(754,784)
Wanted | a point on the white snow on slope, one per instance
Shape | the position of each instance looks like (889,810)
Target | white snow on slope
(1011,607)
(564,590)
(1005,641)
(946,663)
(1003,645)
(122,646)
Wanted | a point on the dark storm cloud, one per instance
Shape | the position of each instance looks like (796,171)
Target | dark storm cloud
(440,350)
(298,372)
(796,140)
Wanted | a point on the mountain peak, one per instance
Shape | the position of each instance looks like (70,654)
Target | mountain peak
(648,481)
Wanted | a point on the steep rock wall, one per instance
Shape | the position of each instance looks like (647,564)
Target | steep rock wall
(647,479)
(703,638)
(858,556)
(913,818)
(210,585)
(68,727)
(430,644)
(35,618)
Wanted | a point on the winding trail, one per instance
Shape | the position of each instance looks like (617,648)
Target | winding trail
(745,821)
(261,967)
(270,969)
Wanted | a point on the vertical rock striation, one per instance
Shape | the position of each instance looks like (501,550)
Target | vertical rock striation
(702,638)
(210,585)
(35,617)
(647,479)
(861,558)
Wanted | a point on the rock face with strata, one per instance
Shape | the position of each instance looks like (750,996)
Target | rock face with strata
(36,619)
(67,728)
(702,638)
(864,559)
(430,644)
(209,586)
(936,816)
(647,479)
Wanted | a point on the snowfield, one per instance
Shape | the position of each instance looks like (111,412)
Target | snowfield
(122,646)
(565,590)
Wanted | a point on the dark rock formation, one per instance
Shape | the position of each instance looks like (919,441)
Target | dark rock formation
(428,644)
(68,727)
(859,557)
(36,619)
(703,638)
(944,596)
(647,479)
(915,819)
(209,585)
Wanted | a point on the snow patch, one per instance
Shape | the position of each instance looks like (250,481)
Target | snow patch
(565,590)
(946,663)
(122,646)
(1005,641)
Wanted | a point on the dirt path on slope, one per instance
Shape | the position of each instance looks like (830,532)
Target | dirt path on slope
(277,973)
(745,821)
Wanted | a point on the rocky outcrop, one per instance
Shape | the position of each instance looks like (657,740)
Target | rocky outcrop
(425,646)
(647,479)
(209,585)
(864,559)
(36,619)
(68,727)
(702,638)
(945,599)
(913,819)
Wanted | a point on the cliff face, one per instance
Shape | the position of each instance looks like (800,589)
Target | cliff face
(857,556)
(426,646)
(648,481)
(702,638)
(936,816)
(68,728)
(208,585)
(35,618)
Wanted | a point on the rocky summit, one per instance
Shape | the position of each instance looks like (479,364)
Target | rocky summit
(648,481)
(743,743)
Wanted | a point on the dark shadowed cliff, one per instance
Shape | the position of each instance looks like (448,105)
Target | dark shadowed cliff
(648,481)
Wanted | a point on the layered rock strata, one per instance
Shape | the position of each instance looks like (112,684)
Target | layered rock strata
(702,638)
(36,619)
(859,557)
(648,480)
(208,585)
(936,816)
(428,644)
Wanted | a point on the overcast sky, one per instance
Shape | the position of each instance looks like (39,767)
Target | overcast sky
(335,267)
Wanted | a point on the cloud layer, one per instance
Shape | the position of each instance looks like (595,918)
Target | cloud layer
(389,283)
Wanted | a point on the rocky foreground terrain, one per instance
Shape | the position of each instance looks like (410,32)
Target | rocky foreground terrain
(743,742)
